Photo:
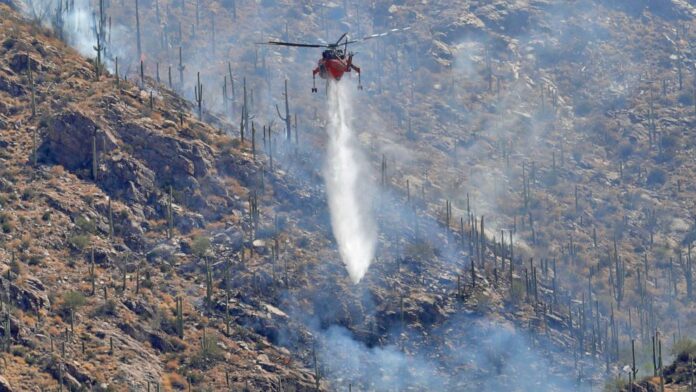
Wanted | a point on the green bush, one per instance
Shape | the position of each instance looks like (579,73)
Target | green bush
(80,241)
(200,246)
(419,251)
(108,308)
(686,98)
(518,292)
(85,225)
(657,177)
(73,300)
(208,354)
(6,223)
(684,347)
(28,194)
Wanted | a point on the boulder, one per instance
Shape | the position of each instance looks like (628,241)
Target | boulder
(30,296)
(467,24)
(10,86)
(163,251)
(68,141)
(5,385)
(20,63)
(440,55)
(176,162)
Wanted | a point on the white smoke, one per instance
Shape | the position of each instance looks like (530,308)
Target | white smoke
(348,187)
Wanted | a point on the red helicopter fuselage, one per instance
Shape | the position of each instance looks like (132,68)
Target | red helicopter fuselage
(333,66)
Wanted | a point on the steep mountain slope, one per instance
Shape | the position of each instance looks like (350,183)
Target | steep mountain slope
(86,307)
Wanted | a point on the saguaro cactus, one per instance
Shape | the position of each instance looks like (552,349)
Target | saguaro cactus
(95,158)
(170,220)
(208,283)
(198,92)
(137,30)
(92,273)
(288,118)
(245,109)
(33,86)
(180,317)
(100,34)
(142,74)
(111,219)
(212,27)
(118,83)
(181,70)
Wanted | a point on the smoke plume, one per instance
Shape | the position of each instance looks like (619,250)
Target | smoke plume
(348,187)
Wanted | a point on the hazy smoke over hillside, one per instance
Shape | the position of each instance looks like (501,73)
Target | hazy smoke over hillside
(348,187)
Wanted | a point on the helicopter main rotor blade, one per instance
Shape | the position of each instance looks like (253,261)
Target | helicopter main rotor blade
(280,43)
(379,35)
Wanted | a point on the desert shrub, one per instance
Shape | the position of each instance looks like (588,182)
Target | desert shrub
(657,177)
(208,354)
(28,194)
(419,251)
(669,143)
(177,381)
(85,225)
(686,98)
(517,292)
(6,223)
(684,347)
(35,260)
(625,151)
(200,245)
(73,300)
(615,384)
(108,308)
(80,241)
(583,108)
(15,267)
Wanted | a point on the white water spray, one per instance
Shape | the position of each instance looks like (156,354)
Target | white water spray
(348,187)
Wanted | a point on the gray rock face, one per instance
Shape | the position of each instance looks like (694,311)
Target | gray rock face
(467,24)
(128,179)
(441,56)
(10,86)
(31,295)
(68,141)
(147,162)
(176,162)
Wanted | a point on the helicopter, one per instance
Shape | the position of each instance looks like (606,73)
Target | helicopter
(335,60)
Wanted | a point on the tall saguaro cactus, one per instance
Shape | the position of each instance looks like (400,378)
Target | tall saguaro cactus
(288,118)
(181,68)
(137,30)
(245,110)
(100,34)
(198,92)
(212,27)
(95,158)
(33,88)
(180,317)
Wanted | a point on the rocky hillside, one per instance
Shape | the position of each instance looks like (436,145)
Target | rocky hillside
(104,191)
